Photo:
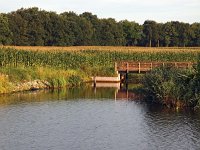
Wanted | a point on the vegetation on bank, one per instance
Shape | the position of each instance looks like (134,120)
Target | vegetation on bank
(12,77)
(91,61)
(174,87)
(62,66)
(36,27)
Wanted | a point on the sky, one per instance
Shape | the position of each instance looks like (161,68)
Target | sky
(132,10)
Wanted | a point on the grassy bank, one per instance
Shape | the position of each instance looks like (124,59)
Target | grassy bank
(71,65)
(11,77)
(174,87)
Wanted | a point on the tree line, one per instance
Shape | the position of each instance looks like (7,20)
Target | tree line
(35,27)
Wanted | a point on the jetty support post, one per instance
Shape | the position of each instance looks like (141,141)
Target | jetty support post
(139,68)
(95,82)
(127,71)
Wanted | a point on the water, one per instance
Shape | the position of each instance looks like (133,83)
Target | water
(89,119)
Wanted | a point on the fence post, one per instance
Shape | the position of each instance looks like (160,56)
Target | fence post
(127,67)
(176,66)
(95,82)
(163,64)
(139,67)
(189,65)
(127,70)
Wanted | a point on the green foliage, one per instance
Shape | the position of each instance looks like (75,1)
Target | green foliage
(132,32)
(18,74)
(172,86)
(150,32)
(57,78)
(58,82)
(74,80)
(63,68)
(93,62)
(5,85)
(5,33)
(36,27)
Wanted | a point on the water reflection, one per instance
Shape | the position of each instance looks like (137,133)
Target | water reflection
(101,91)
(88,118)
(58,94)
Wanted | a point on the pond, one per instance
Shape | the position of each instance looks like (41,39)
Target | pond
(93,119)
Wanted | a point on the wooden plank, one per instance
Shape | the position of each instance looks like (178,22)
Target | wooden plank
(139,67)
(147,66)
(106,79)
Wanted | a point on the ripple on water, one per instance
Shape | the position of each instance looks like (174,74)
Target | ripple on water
(89,124)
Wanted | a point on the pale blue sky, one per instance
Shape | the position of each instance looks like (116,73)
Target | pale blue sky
(132,10)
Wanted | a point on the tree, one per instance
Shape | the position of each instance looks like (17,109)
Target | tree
(5,32)
(95,26)
(18,27)
(56,30)
(34,26)
(183,32)
(195,34)
(79,27)
(132,32)
(166,33)
(111,33)
(174,40)
(35,30)
(151,33)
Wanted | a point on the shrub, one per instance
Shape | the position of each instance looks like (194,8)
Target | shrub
(173,87)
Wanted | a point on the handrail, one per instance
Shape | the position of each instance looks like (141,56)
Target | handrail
(148,66)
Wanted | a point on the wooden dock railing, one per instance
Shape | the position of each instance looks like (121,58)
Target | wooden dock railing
(148,66)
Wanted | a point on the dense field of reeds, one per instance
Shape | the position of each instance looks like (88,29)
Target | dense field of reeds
(93,58)
(173,87)
(62,66)
(24,63)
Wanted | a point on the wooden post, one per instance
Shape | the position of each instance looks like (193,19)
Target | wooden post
(127,91)
(176,66)
(95,82)
(139,67)
(151,66)
(116,94)
(163,64)
(126,77)
(127,67)
(188,65)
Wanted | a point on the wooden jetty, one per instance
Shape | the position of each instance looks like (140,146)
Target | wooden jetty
(106,79)
(142,67)
(124,68)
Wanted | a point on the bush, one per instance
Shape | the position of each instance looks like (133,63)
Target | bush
(172,87)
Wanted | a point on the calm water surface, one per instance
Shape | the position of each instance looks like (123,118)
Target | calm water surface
(89,119)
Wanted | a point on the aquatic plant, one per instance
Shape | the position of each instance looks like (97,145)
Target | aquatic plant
(173,87)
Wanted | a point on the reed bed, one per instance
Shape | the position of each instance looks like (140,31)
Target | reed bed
(22,63)
(83,57)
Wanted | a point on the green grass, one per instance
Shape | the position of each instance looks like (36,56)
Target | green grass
(62,68)
(93,62)
(56,77)
(5,85)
